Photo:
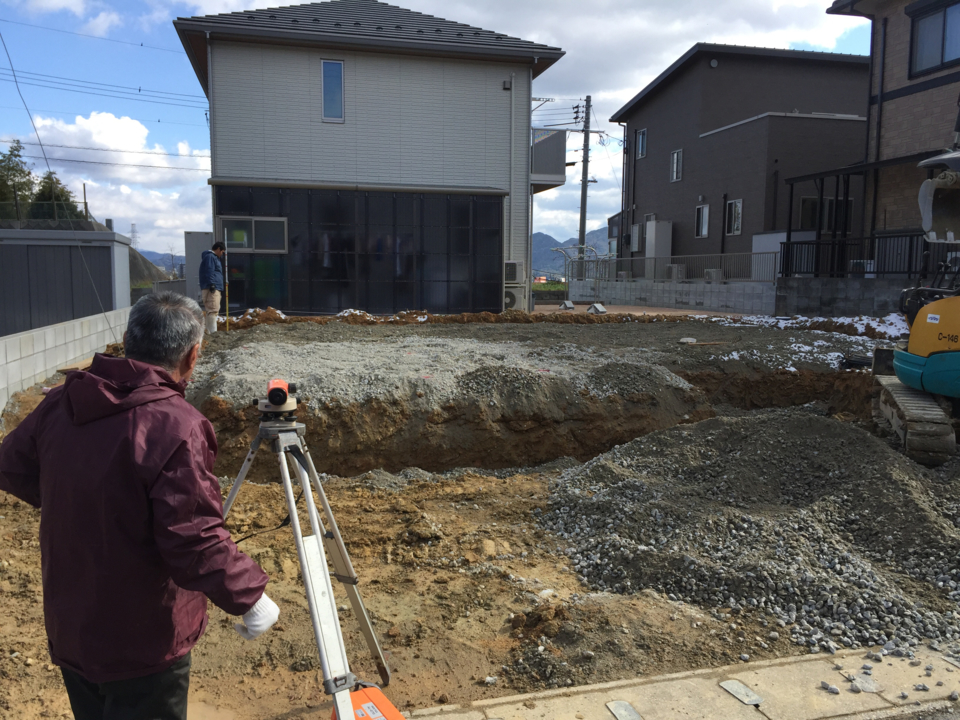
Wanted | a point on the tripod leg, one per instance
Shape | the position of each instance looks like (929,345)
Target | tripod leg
(337,678)
(344,572)
(241,476)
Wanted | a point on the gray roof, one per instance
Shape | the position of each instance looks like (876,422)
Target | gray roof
(664,77)
(360,25)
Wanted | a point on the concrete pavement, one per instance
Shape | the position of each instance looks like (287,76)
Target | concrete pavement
(788,689)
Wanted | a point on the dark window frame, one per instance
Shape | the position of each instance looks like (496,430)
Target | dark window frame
(728,216)
(916,17)
(701,221)
(676,163)
(641,144)
(343,81)
(253,219)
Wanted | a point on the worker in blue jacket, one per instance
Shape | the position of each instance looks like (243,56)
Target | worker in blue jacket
(211,284)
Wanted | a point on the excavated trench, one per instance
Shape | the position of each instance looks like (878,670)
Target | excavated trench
(526,421)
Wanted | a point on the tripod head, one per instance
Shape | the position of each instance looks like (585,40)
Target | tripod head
(281,400)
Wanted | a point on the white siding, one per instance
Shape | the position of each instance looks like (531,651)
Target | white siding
(409,121)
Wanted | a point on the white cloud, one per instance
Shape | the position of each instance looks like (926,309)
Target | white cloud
(77,7)
(163,201)
(102,24)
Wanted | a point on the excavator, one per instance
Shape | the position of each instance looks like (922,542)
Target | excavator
(919,400)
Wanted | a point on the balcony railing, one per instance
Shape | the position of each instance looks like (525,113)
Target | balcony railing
(729,267)
(898,255)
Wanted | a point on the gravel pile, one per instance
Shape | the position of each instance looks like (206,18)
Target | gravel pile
(835,539)
(440,369)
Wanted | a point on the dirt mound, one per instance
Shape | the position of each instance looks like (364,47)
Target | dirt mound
(794,516)
(271,316)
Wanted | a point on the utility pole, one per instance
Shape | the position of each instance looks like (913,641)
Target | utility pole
(581,252)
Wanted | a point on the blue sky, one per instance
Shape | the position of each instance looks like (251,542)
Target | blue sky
(614,47)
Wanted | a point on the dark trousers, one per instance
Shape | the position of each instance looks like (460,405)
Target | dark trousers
(162,696)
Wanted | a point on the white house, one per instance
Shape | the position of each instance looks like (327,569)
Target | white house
(367,156)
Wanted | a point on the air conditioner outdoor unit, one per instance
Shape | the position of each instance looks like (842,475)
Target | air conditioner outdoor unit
(862,268)
(676,272)
(713,275)
(513,272)
(515,298)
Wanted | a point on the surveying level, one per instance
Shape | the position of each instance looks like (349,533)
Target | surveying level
(280,429)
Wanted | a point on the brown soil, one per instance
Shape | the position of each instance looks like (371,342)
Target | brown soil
(450,613)
(454,569)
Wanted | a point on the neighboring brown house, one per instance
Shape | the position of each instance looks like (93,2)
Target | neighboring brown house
(915,90)
(709,143)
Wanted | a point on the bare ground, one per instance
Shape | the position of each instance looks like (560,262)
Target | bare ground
(461,579)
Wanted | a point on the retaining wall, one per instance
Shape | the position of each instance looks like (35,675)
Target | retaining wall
(32,356)
(746,298)
(839,297)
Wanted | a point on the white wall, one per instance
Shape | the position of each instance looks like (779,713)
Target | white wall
(31,357)
(409,121)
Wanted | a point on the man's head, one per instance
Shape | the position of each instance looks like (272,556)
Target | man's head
(218,249)
(165,329)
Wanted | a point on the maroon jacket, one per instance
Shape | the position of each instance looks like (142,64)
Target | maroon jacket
(131,520)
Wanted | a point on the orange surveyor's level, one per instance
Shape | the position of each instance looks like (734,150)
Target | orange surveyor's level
(371,704)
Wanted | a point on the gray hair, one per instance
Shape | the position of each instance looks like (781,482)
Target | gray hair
(162,328)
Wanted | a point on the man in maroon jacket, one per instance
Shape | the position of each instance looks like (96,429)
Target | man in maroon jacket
(131,521)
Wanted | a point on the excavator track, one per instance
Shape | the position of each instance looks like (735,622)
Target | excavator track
(924,428)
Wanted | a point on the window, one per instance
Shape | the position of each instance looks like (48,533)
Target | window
(247,235)
(734,212)
(676,165)
(703,221)
(808,214)
(936,39)
(332,91)
(641,143)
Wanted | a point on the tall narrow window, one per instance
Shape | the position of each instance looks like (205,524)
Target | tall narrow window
(641,143)
(332,91)
(703,221)
(676,165)
(734,211)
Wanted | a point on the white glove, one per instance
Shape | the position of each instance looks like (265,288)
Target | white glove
(258,619)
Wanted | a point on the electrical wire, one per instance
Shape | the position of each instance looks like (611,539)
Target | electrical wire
(99,162)
(109,95)
(110,85)
(73,112)
(136,152)
(94,37)
(607,151)
(53,188)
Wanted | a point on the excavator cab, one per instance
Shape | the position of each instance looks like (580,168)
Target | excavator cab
(930,359)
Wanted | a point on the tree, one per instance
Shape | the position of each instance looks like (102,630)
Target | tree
(16,175)
(53,200)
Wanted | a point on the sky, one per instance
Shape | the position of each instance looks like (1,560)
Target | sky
(125,99)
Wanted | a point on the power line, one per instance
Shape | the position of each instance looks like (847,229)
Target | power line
(85,91)
(136,152)
(603,145)
(99,162)
(110,85)
(95,37)
(53,189)
(72,112)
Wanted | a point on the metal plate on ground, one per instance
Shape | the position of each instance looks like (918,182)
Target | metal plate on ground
(741,692)
(622,710)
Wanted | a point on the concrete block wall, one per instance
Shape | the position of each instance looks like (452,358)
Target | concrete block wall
(743,298)
(839,297)
(30,357)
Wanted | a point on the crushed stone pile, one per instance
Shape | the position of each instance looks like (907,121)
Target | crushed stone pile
(439,369)
(822,528)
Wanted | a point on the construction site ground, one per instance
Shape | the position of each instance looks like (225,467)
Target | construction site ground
(538,506)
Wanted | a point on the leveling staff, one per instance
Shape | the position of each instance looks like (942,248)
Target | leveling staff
(131,521)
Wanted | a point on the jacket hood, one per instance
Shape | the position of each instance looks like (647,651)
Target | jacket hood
(208,252)
(115,385)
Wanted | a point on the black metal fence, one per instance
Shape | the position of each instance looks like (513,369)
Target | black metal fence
(878,256)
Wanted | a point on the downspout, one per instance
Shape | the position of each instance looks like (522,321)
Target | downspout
(876,158)
(529,190)
(513,132)
(723,224)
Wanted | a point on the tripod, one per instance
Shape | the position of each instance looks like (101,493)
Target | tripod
(283,434)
